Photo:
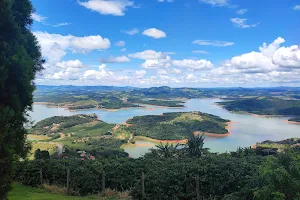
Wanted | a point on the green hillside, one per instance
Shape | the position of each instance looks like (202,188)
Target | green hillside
(264,106)
(176,126)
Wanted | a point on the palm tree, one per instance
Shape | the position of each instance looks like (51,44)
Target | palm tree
(194,146)
(166,150)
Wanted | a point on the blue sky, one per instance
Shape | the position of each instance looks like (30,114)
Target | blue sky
(196,43)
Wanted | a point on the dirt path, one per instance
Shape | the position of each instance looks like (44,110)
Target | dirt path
(59,148)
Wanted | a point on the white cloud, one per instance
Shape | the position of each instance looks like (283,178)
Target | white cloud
(157,63)
(193,64)
(155,33)
(108,7)
(169,1)
(288,57)
(241,11)
(70,63)
(132,31)
(216,2)
(270,58)
(242,23)
(216,43)
(200,52)
(120,43)
(61,24)
(123,49)
(140,74)
(54,46)
(119,59)
(296,7)
(89,43)
(147,54)
(37,17)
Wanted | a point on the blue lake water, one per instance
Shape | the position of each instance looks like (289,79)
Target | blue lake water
(246,131)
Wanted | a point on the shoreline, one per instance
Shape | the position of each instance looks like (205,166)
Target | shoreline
(292,122)
(143,106)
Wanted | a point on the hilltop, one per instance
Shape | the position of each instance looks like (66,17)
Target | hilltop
(177,125)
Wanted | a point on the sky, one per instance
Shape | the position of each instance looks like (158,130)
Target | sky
(177,43)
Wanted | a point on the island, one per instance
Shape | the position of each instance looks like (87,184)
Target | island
(263,106)
(177,125)
(75,135)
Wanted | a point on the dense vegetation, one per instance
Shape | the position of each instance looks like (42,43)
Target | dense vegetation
(57,124)
(264,106)
(244,174)
(176,126)
(77,133)
(20,61)
(156,102)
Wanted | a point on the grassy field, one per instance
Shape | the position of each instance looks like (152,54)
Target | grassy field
(91,129)
(48,146)
(28,193)
(37,137)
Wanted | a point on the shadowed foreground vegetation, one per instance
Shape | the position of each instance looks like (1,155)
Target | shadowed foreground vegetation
(170,173)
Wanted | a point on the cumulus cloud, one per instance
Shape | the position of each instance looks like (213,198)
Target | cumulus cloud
(70,63)
(215,43)
(120,43)
(132,31)
(119,59)
(107,7)
(270,58)
(38,18)
(147,54)
(241,11)
(157,63)
(193,64)
(155,33)
(140,74)
(54,46)
(123,49)
(242,23)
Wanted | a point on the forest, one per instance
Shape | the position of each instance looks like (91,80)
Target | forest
(56,124)
(263,106)
(176,126)
(176,173)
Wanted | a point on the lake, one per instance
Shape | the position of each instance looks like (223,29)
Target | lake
(246,130)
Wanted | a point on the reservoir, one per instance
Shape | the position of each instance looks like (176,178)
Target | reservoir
(246,129)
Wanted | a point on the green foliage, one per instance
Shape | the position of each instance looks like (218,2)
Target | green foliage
(57,124)
(281,178)
(38,154)
(194,146)
(172,178)
(173,126)
(156,102)
(20,60)
(264,106)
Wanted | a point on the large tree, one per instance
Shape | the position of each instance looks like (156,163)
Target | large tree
(20,60)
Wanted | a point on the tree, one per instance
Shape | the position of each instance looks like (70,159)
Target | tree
(38,154)
(281,177)
(194,146)
(165,150)
(20,60)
